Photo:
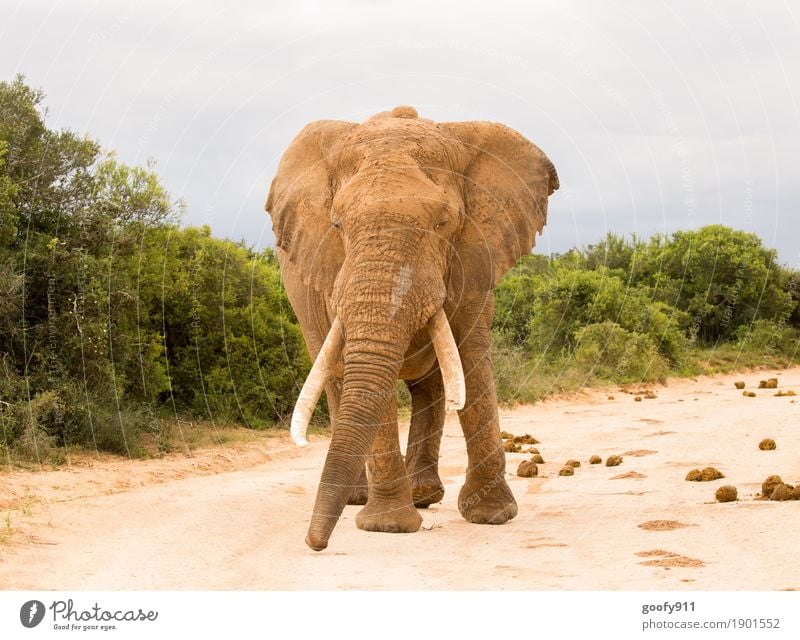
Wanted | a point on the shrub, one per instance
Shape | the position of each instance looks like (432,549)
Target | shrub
(769,339)
(571,300)
(612,353)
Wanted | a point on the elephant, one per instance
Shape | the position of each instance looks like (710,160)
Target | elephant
(391,235)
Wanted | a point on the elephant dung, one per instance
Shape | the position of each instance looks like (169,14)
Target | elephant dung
(572,463)
(710,473)
(727,493)
(595,460)
(505,435)
(567,471)
(527,469)
(706,475)
(771,383)
(614,461)
(650,395)
(538,459)
(767,444)
(782,492)
(525,439)
(509,446)
(785,394)
(749,394)
(637,398)
(610,397)
(532,450)
(768,486)
(739,385)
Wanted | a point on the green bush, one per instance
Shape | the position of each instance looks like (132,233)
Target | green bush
(571,300)
(33,422)
(769,338)
(612,353)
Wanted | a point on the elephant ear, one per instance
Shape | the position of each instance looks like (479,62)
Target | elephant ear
(506,182)
(300,200)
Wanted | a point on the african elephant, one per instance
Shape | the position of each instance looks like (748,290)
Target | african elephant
(391,235)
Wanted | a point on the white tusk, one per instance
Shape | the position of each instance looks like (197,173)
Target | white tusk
(449,361)
(315,383)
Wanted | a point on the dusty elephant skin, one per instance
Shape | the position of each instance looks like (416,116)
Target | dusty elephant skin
(391,235)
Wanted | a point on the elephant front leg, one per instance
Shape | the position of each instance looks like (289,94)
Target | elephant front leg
(424,438)
(485,497)
(389,506)
(333,390)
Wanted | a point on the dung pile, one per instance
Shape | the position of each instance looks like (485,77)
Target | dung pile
(513,444)
(767,444)
(782,492)
(527,469)
(749,394)
(774,488)
(785,394)
(739,385)
(595,460)
(771,383)
(572,463)
(538,459)
(706,475)
(768,486)
(614,461)
(567,471)
(727,493)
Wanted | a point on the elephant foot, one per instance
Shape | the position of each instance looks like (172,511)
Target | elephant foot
(483,501)
(426,489)
(360,492)
(388,517)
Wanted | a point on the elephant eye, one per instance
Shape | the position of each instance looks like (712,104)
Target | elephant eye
(440,225)
(336,224)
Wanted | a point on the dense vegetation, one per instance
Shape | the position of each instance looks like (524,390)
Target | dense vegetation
(630,310)
(115,320)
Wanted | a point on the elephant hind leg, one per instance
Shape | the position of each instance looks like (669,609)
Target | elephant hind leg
(389,508)
(333,391)
(424,438)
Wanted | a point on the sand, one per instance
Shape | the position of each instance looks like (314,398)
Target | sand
(235,517)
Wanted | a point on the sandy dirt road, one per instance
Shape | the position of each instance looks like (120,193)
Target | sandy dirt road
(236,518)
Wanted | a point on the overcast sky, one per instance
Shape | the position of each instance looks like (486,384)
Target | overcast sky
(658,116)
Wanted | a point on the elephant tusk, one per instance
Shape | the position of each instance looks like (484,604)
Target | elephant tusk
(315,383)
(449,361)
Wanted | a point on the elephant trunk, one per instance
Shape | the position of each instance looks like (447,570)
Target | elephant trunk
(370,373)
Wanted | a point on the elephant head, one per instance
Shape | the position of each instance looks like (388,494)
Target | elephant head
(395,220)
